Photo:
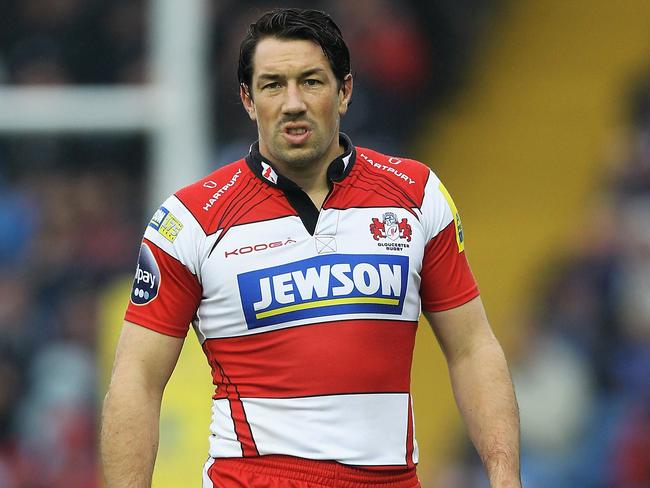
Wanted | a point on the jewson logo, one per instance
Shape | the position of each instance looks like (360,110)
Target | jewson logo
(322,286)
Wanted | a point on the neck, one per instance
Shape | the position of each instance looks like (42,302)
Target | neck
(312,179)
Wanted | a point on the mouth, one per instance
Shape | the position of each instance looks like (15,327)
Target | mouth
(296,134)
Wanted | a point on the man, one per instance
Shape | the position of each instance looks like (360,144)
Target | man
(303,269)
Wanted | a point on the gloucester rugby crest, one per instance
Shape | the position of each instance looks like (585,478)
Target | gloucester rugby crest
(389,228)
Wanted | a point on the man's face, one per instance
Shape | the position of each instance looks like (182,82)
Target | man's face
(296,102)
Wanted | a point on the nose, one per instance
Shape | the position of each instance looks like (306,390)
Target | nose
(294,102)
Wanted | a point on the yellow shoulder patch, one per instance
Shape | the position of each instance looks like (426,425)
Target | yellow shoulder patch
(166,224)
(170,227)
(460,240)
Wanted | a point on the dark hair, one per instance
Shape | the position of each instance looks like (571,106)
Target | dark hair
(294,23)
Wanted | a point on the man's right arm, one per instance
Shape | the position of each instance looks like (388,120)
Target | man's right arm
(144,361)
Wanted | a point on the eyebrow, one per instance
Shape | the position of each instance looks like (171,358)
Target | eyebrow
(304,74)
(313,71)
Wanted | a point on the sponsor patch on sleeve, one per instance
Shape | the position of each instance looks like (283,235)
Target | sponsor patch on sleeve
(147,278)
(166,224)
(460,239)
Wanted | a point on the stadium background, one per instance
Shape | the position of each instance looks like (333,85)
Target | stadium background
(536,114)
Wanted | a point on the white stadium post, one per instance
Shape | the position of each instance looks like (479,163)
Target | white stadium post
(181,149)
(173,109)
(82,110)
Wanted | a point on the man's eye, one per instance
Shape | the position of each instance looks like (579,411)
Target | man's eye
(312,82)
(271,86)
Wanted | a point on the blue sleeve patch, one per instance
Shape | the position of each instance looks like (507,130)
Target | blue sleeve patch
(147,278)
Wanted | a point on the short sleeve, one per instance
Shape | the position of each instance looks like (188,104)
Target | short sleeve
(166,288)
(446,278)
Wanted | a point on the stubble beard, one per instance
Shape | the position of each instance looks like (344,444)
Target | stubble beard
(298,157)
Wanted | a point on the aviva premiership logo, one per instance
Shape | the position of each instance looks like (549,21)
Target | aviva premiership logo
(166,224)
(323,286)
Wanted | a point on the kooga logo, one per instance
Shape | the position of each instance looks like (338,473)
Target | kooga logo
(334,284)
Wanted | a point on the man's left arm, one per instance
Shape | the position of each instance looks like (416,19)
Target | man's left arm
(482,387)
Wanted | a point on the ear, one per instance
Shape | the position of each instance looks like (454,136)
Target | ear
(247,101)
(345,94)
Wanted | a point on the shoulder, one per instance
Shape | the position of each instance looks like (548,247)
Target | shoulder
(209,196)
(407,175)
(403,171)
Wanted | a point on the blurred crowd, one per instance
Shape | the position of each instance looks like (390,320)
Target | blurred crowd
(582,368)
(71,207)
(67,232)
(70,217)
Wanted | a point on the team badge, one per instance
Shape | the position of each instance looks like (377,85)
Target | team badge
(390,228)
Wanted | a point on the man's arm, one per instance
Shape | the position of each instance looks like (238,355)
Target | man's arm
(482,388)
(144,362)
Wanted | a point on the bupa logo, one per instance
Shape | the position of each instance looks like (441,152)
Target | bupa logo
(147,278)
(321,286)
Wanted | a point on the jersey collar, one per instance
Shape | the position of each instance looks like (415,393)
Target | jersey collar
(264,169)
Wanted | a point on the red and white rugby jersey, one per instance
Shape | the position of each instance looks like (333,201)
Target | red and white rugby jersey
(307,318)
